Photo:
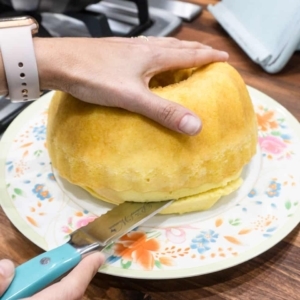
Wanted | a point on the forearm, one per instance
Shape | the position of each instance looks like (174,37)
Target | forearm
(116,72)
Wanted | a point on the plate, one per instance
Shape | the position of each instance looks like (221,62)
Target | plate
(45,208)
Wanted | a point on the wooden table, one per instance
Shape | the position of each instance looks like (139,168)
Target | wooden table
(272,275)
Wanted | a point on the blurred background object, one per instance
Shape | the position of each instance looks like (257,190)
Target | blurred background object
(268,31)
(122,17)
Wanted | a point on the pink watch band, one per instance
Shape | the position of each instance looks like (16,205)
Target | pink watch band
(17,49)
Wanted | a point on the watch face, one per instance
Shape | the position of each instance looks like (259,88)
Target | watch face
(19,22)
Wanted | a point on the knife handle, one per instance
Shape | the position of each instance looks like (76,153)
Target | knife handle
(39,272)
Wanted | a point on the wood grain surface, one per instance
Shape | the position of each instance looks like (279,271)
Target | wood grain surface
(274,274)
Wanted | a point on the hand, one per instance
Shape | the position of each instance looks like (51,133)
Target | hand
(116,72)
(7,271)
(71,287)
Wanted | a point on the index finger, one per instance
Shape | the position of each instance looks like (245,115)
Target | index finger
(73,286)
(184,58)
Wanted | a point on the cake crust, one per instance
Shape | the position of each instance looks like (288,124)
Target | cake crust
(121,156)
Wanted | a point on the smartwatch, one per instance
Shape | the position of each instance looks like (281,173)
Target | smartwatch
(17,51)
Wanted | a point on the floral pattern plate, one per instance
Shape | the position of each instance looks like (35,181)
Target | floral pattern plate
(45,208)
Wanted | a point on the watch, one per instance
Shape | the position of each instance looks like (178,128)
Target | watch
(17,51)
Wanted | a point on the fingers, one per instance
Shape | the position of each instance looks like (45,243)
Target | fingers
(170,53)
(7,271)
(73,286)
(195,45)
(165,42)
(170,42)
(168,113)
(188,58)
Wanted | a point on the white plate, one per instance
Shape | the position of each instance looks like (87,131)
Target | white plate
(241,226)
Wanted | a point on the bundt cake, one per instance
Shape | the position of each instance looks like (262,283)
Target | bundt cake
(118,156)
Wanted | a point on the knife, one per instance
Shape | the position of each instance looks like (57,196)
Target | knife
(39,272)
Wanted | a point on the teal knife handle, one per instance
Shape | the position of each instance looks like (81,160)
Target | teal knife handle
(40,271)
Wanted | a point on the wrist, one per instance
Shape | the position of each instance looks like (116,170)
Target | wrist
(45,60)
(57,61)
(60,63)
(49,62)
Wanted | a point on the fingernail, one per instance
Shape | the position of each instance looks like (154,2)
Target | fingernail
(190,125)
(6,268)
(224,54)
(207,47)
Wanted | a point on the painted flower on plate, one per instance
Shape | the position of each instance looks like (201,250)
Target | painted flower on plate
(252,193)
(51,177)
(202,241)
(176,235)
(39,132)
(273,189)
(266,120)
(84,221)
(40,191)
(272,144)
(135,246)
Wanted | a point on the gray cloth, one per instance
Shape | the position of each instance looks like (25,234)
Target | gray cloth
(268,31)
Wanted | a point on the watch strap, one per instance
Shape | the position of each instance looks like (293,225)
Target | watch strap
(19,62)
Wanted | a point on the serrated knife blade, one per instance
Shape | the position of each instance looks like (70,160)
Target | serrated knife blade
(104,230)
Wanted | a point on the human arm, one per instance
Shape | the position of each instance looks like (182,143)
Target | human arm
(116,72)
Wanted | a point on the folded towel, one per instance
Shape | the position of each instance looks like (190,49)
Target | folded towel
(268,31)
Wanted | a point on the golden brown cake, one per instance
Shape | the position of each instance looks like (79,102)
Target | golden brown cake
(120,156)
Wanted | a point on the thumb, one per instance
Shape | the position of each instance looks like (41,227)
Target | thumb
(169,114)
(7,271)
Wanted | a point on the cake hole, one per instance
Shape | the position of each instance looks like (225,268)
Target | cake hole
(147,179)
(20,64)
(22,75)
(170,77)
(25,96)
(24,83)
